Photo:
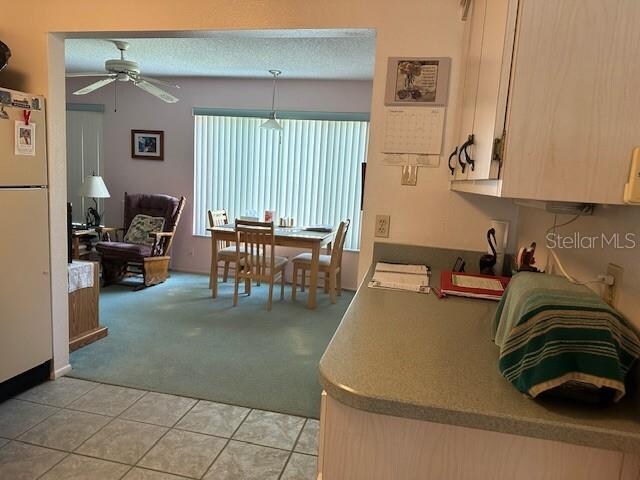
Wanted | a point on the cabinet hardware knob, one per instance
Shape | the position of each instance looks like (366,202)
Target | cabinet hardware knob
(451,167)
(462,163)
(470,141)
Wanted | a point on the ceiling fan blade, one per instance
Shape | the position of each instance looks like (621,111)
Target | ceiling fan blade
(155,91)
(94,86)
(90,74)
(159,82)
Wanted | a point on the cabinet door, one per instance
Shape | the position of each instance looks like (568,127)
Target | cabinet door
(574,106)
(493,85)
(473,51)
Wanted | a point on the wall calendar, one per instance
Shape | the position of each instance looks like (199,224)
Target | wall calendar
(414,130)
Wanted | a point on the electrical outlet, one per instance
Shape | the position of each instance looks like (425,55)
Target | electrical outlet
(611,292)
(382,226)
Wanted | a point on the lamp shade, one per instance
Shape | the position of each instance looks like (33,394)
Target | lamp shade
(94,187)
(271,124)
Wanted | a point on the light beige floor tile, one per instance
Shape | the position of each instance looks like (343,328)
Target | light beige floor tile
(213,418)
(308,441)
(58,393)
(270,429)
(183,453)
(107,400)
(122,441)
(19,461)
(65,430)
(75,467)
(144,474)
(159,409)
(301,467)
(243,461)
(16,417)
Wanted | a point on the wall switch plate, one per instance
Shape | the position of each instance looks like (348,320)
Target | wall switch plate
(409,175)
(611,292)
(382,226)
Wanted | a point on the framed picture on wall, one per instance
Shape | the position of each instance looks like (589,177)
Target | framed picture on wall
(147,144)
(417,81)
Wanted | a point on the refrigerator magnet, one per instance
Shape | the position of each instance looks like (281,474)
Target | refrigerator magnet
(25,138)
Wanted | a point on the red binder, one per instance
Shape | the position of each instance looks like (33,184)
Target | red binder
(449,286)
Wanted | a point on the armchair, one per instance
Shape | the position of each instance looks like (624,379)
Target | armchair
(119,258)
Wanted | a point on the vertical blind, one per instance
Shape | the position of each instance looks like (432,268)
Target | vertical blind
(309,171)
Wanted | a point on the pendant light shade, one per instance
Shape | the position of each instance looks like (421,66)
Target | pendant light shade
(272,122)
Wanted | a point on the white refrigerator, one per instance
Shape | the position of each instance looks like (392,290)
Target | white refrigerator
(25,283)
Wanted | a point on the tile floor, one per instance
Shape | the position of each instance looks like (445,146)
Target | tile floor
(74,429)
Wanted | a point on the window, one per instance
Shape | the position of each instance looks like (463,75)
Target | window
(309,171)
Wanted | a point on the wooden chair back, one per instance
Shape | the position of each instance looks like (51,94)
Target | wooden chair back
(216,219)
(166,245)
(341,236)
(255,245)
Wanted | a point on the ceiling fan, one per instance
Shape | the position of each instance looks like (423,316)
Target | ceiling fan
(125,71)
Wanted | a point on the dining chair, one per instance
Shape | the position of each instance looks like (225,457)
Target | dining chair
(330,265)
(226,251)
(255,253)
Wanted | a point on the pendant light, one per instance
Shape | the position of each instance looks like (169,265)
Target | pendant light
(272,122)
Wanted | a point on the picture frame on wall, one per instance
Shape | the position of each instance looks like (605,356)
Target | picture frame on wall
(417,81)
(147,144)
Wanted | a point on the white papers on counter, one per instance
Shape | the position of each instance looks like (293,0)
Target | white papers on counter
(395,276)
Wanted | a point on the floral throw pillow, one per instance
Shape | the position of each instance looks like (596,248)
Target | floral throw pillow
(140,228)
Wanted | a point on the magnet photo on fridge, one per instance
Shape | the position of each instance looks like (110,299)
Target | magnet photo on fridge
(25,140)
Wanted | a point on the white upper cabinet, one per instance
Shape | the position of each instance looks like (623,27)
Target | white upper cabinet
(560,79)
(488,49)
(473,53)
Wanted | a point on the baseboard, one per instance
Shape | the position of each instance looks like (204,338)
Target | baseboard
(186,270)
(61,372)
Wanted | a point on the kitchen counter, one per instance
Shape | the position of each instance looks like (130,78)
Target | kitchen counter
(416,356)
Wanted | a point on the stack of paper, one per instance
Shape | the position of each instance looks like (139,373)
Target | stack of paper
(414,278)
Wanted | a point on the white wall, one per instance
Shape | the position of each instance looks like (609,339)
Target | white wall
(429,213)
(426,214)
(174,175)
(586,263)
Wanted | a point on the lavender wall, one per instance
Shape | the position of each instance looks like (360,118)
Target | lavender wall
(174,176)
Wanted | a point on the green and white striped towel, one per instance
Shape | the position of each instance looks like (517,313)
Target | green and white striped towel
(551,332)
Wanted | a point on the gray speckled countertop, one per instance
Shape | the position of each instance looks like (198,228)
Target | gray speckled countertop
(415,356)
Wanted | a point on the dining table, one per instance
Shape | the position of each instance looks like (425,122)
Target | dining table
(296,237)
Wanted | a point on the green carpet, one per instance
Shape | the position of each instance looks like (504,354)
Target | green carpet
(175,338)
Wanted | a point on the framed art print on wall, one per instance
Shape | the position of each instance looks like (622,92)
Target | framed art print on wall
(417,81)
(147,144)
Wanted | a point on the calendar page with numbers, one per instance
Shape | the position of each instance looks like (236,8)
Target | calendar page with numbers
(416,130)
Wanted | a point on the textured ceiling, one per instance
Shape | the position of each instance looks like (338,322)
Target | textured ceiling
(323,54)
